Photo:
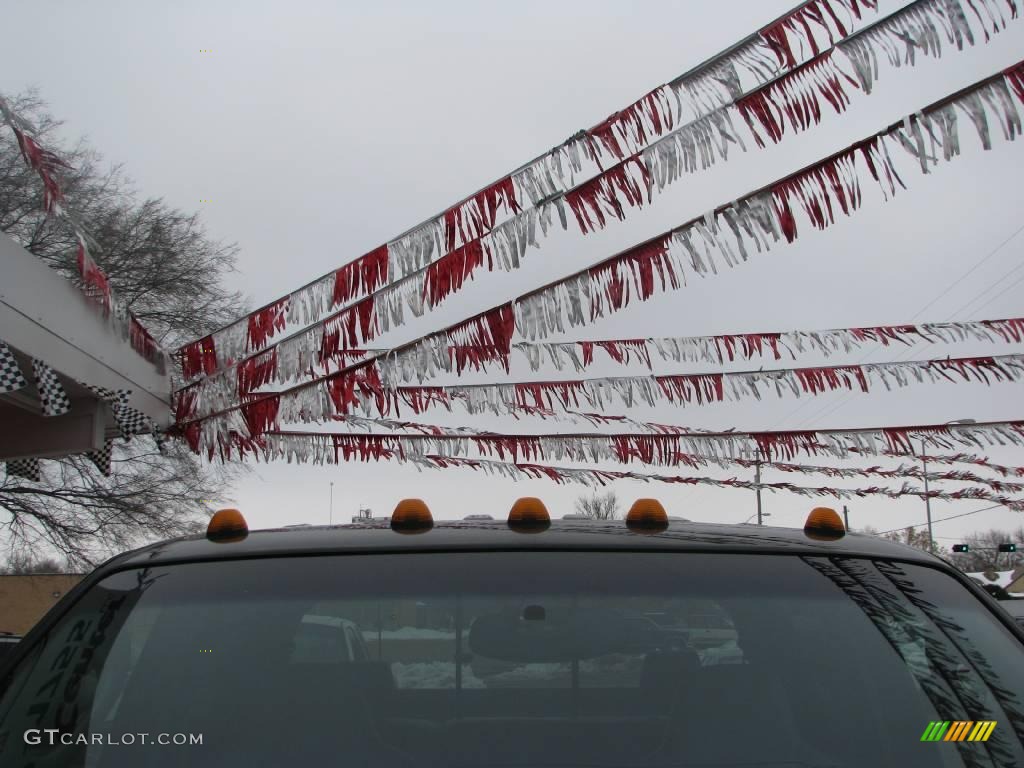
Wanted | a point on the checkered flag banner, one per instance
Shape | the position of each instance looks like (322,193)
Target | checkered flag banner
(120,396)
(160,438)
(11,378)
(52,396)
(132,422)
(26,468)
(101,458)
(129,420)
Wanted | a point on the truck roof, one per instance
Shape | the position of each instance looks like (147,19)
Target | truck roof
(495,535)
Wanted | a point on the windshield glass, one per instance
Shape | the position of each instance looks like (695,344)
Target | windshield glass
(520,659)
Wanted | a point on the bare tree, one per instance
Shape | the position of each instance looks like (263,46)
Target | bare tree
(21,563)
(159,259)
(599,506)
(910,536)
(171,276)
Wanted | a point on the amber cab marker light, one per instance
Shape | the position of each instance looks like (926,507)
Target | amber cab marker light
(647,516)
(529,515)
(412,516)
(227,525)
(824,524)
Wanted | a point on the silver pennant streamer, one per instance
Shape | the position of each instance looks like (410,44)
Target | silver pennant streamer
(698,461)
(321,450)
(415,250)
(705,92)
(753,222)
(921,135)
(629,391)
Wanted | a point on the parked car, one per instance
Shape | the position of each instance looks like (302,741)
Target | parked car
(846,649)
(328,639)
(709,628)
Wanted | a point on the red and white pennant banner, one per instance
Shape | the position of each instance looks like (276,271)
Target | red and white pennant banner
(712,85)
(409,265)
(696,461)
(601,477)
(333,449)
(422,282)
(897,473)
(648,448)
(977,461)
(729,234)
(95,284)
(362,392)
(438,355)
(449,351)
(602,393)
(685,389)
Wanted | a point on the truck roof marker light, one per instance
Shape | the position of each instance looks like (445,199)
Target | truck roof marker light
(529,515)
(647,516)
(824,524)
(226,526)
(411,516)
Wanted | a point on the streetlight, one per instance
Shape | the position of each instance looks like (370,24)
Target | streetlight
(927,498)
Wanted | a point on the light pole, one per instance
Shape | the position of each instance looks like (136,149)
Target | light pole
(332,505)
(924,469)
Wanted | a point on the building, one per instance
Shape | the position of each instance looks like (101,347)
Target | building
(64,367)
(24,599)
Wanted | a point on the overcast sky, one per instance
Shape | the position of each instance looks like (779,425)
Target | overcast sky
(321,130)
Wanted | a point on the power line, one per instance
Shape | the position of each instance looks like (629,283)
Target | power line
(1008,288)
(827,409)
(995,285)
(939,520)
(968,273)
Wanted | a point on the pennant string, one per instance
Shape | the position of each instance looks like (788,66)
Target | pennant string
(516,454)
(635,127)
(602,286)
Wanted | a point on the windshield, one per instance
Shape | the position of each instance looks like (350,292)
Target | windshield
(520,659)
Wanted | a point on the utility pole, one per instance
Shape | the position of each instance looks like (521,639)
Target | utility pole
(846,518)
(927,498)
(924,468)
(757,482)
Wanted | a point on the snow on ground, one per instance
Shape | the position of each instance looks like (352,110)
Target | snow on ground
(1002,578)
(727,653)
(432,674)
(411,633)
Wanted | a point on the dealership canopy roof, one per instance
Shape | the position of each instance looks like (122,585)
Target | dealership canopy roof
(47,319)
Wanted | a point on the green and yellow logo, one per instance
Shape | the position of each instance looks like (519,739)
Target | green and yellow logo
(959,730)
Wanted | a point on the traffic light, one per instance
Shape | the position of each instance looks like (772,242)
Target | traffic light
(961,548)
(1007,547)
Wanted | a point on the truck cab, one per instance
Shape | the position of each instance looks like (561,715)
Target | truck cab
(516,641)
